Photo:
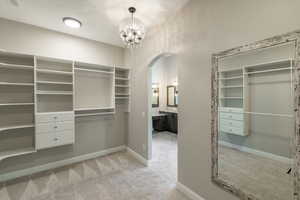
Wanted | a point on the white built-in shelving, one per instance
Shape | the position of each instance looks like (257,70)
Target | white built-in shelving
(54,85)
(14,127)
(40,97)
(94,89)
(48,71)
(15,66)
(122,88)
(16,104)
(16,152)
(16,84)
(234,110)
(54,93)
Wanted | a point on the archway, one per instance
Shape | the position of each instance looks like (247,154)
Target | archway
(162,118)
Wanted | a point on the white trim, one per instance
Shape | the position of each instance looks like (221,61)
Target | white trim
(53,165)
(257,152)
(188,192)
(138,156)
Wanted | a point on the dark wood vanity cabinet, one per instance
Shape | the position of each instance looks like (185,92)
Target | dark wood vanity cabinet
(166,122)
(172,122)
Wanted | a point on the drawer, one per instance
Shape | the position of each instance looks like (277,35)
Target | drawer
(52,117)
(54,126)
(234,116)
(52,140)
(232,123)
(230,109)
(232,130)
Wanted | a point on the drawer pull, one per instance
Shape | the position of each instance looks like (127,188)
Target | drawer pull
(55,139)
(55,127)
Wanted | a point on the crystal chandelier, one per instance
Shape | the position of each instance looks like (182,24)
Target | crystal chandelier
(132,30)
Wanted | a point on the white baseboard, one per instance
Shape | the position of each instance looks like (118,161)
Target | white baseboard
(188,192)
(53,165)
(138,156)
(257,152)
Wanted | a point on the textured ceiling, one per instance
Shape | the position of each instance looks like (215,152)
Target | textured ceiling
(100,18)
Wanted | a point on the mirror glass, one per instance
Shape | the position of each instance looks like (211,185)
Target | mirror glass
(256,122)
(155,96)
(171,96)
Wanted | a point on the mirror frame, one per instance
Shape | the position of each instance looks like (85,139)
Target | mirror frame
(155,105)
(295,144)
(175,90)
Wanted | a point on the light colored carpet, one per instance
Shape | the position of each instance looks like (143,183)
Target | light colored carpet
(266,179)
(115,177)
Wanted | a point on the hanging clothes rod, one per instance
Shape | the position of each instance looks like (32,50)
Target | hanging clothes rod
(94,114)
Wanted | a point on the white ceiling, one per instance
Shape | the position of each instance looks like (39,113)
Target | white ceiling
(100,18)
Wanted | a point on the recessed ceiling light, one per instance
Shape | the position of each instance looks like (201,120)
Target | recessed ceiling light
(72,22)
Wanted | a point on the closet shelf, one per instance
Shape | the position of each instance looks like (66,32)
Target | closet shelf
(231,98)
(94,70)
(231,70)
(121,97)
(16,104)
(266,64)
(270,114)
(15,66)
(231,78)
(122,86)
(12,153)
(94,114)
(96,108)
(16,84)
(54,93)
(269,70)
(54,83)
(16,127)
(232,86)
(48,71)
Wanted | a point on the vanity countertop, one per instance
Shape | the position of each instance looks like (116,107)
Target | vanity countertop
(158,115)
(168,111)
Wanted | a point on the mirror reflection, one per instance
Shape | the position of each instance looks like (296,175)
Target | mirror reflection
(256,122)
(172,96)
(155,96)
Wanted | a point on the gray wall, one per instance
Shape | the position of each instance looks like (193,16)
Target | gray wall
(203,27)
(92,134)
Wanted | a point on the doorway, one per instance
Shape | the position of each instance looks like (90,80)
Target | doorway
(163,112)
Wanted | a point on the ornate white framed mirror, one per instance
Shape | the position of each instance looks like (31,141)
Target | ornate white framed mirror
(255,119)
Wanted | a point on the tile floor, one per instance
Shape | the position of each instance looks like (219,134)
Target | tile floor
(114,177)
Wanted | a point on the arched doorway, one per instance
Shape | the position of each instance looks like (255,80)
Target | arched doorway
(162,107)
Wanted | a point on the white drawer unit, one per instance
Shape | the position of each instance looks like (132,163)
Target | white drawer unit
(55,116)
(54,126)
(54,129)
(230,110)
(232,130)
(54,139)
(232,116)
(232,121)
